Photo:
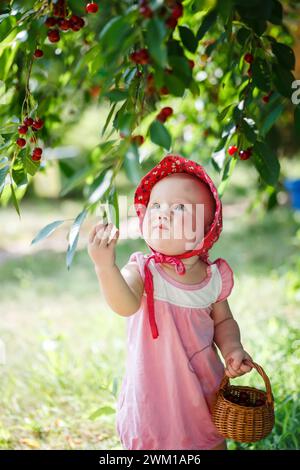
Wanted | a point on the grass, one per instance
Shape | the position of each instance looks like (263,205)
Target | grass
(65,349)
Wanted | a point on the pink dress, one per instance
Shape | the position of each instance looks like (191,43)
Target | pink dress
(170,382)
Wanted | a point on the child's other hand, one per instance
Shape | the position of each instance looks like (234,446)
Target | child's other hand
(101,245)
(234,363)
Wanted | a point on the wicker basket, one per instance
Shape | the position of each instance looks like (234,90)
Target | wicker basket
(240,419)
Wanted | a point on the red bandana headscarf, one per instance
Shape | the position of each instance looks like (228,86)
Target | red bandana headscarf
(168,165)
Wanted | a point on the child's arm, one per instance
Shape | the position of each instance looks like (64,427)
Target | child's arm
(228,339)
(123,292)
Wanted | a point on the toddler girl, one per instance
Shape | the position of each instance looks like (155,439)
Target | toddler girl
(175,301)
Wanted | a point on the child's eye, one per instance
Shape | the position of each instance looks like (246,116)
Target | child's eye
(179,206)
(155,205)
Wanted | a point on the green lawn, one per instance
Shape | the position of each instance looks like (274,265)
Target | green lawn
(65,349)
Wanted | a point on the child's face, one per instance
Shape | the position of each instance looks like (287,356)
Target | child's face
(178,214)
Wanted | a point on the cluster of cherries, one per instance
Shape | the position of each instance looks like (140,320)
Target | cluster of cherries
(243,399)
(172,19)
(243,154)
(60,21)
(36,125)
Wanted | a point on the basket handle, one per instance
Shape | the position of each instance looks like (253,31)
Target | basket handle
(260,370)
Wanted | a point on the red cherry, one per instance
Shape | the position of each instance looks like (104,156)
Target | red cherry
(167,111)
(64,24)
(50,21)
(22,129)
(91,8)
(248,58)
(171,22)
(37,151)
(140,57)
(144,56)
(137,139)
(163,115)
(36,158)
(249,72)
(37,123)
(164,90)
(21,142)
(53,35)
(266,98)
(177,11)
(232,149)
(38,53)
(60,9)
(191,63)
(146,11)
(245,154)
(28,121)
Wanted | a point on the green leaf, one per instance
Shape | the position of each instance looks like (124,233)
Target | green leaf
(124,123)
(156,32)
(283,80)
(6,27)
(221,144)
(243,35)
(266,162)
(104,410)
(113,33)
(181,69)
(30,166)
(249,129)
(19,176)
(117,95)
(47,230)
(4,169)
(261,74)
(14,199)
(132,165)
(228,170)
(174,85)
(108,119)
(224,112)
(285,55)
(271,118)
(160,135)
(113,206)
(101,185)
(188,38)
(74,236)
(208,20)
(276,13)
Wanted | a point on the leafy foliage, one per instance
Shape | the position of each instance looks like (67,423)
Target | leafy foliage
(225,67)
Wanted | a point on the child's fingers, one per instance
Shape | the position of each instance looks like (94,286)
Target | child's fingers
(105,236)
(115,237)
(232,371)
(92,234)
(245,368)
(99,234)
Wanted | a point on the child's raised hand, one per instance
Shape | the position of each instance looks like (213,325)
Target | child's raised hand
(234,363)
(101,245)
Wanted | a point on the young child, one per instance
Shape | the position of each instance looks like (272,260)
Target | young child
(175,302)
